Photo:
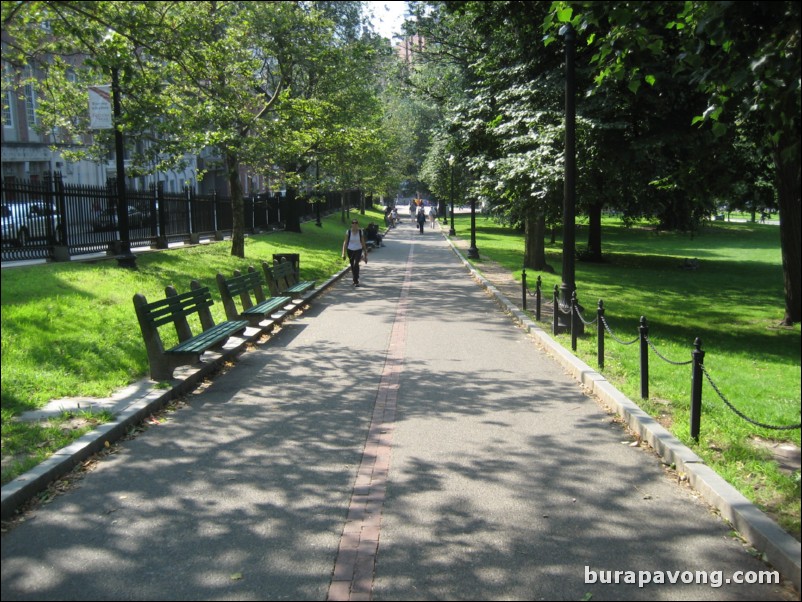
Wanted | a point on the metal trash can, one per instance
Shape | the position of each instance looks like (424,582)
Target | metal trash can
(294,259)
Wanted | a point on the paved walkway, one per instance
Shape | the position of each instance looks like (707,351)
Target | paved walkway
(403,440)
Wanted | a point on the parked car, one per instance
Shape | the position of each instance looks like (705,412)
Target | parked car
(107,219)
(31,220)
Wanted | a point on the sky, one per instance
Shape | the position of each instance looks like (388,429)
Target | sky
(388,17)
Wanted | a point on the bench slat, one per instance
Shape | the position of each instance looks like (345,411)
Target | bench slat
(283,269)
(301,287)
(243,283)
(269,306)
(284,277)
(165,310)
(209,338)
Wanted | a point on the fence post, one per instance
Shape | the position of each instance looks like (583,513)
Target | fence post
(216,219)
(50,218)
(537,299)
(698,356)
(574,320)
(600,334)
(523,288)
(153,212)
(644,358)
(61,249)
(162,242)
(253,214)
(190,210)
(556,308)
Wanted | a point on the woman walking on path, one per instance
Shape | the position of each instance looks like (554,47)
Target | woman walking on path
(421,217)
(354,245)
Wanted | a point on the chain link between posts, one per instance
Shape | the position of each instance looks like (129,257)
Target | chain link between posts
(685,363)
(741,414)
(615,338)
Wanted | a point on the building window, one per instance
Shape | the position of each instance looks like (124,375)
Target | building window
(30,101)
(8,97)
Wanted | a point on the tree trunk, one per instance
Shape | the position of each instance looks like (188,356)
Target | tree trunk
(535,242)
(237,206)
(789,184)
(292,222)
(594,252)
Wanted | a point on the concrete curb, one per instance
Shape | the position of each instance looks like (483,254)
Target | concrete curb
(778,548)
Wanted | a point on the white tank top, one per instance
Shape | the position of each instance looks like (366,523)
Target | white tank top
(354,243)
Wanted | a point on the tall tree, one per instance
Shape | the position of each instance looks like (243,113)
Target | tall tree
(744,57)
(334,104)
(506,114)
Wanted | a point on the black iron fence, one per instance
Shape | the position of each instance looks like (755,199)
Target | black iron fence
(49,219)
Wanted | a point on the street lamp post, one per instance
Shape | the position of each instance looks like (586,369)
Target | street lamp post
(126,257)
(442,208)
(318,223)
(473,252)
(568,285)
(452,232)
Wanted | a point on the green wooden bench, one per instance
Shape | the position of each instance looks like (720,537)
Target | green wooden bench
(174,309)
(282,280)
(242,286)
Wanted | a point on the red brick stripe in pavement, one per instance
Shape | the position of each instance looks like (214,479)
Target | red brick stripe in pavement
(359,544)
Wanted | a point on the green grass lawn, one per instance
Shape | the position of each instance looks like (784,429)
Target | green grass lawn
(733,303)
(69,329)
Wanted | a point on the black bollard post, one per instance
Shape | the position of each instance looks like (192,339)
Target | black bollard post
(600,334)
(644,358)
(556,308)
(574,320)
(537,299)
(523,288)
(698,356)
